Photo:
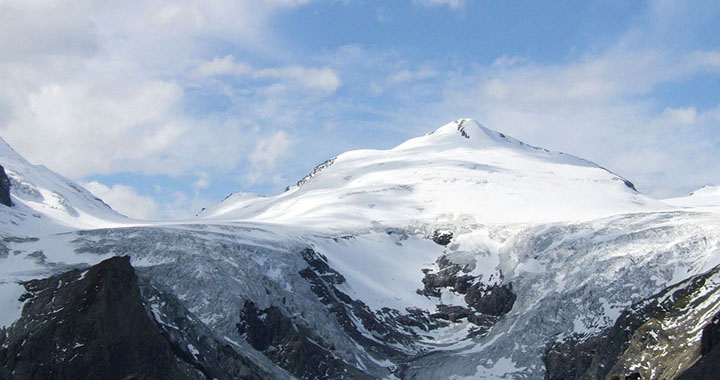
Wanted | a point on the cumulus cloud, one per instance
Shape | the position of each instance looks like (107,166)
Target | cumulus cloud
(321,79)
(163,204)
(103,87)
(596,107)
(266,155)
(124,199)
(172,88)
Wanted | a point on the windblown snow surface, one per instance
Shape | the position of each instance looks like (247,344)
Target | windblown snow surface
(578,243)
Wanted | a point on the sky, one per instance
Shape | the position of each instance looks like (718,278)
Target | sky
(162,108)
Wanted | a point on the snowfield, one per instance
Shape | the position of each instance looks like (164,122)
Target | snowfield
(461,171)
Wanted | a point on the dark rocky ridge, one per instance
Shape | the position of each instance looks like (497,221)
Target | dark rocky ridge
(96,324)
(88,325)
(293,347)
(5,188)
(708,365)
(485,302)
(607,354)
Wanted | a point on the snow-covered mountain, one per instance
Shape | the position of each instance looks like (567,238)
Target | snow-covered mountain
(462,170)
(460,254)
(706,198)
(45,202)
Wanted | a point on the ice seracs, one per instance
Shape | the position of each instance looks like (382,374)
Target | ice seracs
(461,170)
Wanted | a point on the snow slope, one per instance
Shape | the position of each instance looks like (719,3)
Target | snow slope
(45,202)
(461,171)
(706,198)
(576,243)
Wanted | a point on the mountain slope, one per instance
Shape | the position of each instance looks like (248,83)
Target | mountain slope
(460,171)
(706,198)
(45,202)
(481,257)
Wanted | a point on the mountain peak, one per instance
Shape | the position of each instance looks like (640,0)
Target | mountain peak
(460,171)
(463,132)
(464,127)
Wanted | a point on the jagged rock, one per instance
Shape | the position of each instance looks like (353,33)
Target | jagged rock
(708,366)
(493,299)
(442,237)
(89,325)
(5,188)
(323,280)
(646,340)
(319,264)
(710,336)
(291,346)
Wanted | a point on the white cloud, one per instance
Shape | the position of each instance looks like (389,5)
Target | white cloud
(452,4)
(124,199)
(202,182)
(680,116)
(268,152)
(708,60)
(595,107)
(78,131)
(323,79)
(405,75)
(164,204)
(222,66)
(102,87)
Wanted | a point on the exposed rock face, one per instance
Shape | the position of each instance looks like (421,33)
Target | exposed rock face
(293,347)
(324,165)
(650,340)
(390,327)
(442,237)
(88,324)
(483,301)
(708,366)
(5,188)
(96,324)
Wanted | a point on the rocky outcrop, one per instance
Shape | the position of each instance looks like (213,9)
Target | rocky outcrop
(5,184)
(483,300)
(707,367)
(324,165)
(106,323)
(442,237)
(292,346)
(88,325)
(388,329)
(652,339)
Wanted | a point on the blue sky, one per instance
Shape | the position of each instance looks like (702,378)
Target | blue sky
(161,108)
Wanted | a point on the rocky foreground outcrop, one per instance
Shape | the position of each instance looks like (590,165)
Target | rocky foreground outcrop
(5,188)
(94,324)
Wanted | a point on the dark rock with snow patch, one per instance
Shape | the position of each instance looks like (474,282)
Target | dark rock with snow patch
(5,188)
(708,366)
(293,347)
(621,349)
(88,325)
(442,237)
